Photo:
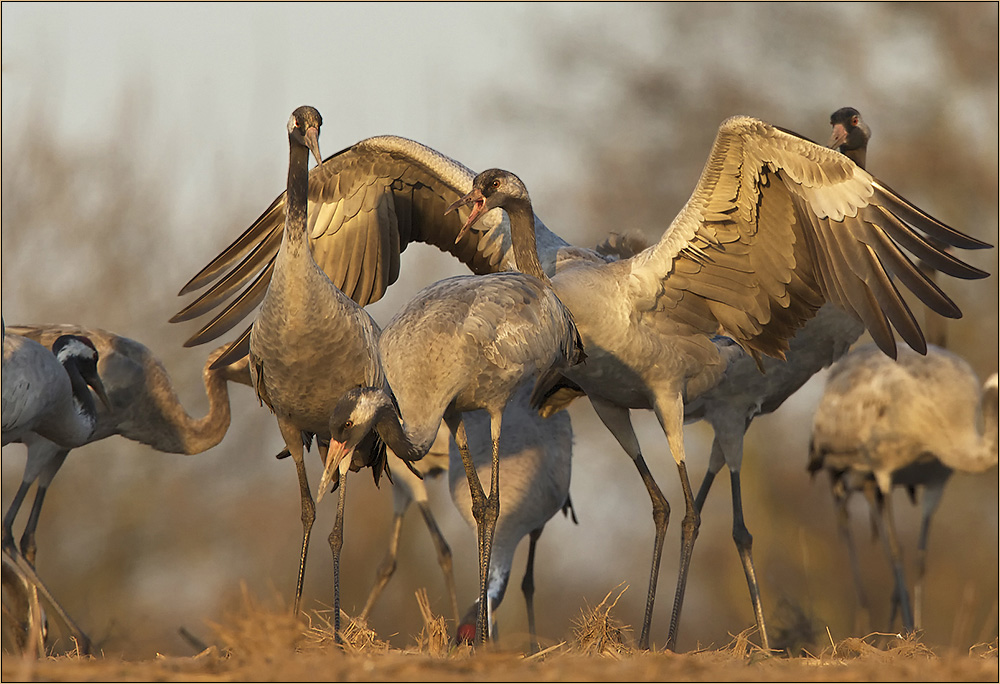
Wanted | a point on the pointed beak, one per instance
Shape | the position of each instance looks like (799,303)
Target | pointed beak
(312,142)
(94,380)
(838,137)
(478,202)
(337,453)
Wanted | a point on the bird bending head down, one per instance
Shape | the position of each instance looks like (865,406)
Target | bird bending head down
(82,350)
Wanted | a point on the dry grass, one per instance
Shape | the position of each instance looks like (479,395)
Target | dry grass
(597,632)
(258,643)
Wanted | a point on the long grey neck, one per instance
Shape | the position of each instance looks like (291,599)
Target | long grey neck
(297,197)
(522,234)
(390,429)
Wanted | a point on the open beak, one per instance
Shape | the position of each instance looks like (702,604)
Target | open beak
(312,142)
(838,137)
(337,454)
(478,202)
(94,380)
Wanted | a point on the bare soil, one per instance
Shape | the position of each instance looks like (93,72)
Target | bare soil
(261,645)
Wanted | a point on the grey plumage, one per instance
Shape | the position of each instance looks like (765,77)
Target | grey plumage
(309,343)
(143,407)
(45,392)
(462,344)
(775,227)
(745,392)
(905,423)
(535,458)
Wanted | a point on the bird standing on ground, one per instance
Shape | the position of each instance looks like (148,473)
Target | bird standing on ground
(143,406)
(535,458)
(462,344)
(745,392)
(309,345)
(776,226)
(907,423)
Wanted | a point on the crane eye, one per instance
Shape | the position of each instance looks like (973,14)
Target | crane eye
(348,425)
(496,183)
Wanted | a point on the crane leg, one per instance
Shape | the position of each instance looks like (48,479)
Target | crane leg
(444,555)
(388,565)
(863,621)
(336,540)
(617,420)
(293,441)
(671,416)
(27,574)
(931,499)
(744,544)
(485,510)
(528,587)
(887,531)
(8,519)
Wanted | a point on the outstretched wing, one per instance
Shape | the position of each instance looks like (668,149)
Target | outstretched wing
(776,226)
(366,204)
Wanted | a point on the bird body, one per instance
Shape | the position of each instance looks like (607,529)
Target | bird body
(775,227)
(474,339)
(142,406)
(466,343)
(536,457)
(907,423)
(46,391)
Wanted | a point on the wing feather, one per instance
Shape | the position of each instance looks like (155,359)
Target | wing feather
(366,204)
(776,226)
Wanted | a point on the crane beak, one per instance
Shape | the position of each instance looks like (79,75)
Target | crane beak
(94,380)
(336,460)
(312,142)
(478,202)
(838,137)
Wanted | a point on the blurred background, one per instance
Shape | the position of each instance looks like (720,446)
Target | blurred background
(139,140)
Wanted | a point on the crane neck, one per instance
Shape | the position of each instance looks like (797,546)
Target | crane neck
(390,428)
(83,400)
(523,240)
(297,197)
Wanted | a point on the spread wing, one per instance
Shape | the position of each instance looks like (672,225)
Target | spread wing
(776,226)
(366,204)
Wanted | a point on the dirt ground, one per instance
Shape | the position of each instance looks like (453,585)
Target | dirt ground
(256,644)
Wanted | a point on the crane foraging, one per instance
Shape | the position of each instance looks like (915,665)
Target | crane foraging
(910,423)
(535,458)
(462,344)
(775,227)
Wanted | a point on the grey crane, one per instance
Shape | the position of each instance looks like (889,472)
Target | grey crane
(46,391)
(143,407)
(310,344)
(536,454)
(776,226)
(535,457)
(462,344)
(907,423)
(744,392)
(850,134)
